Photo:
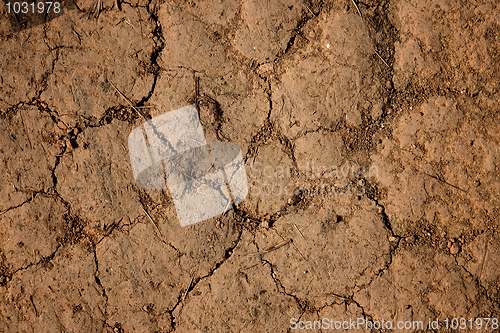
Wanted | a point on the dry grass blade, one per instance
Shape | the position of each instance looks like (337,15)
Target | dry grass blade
(310,11)
(272,248)
(363,21)
(484,256)
(298,229)
(153,222)
(359,12)
(378,54)
(297,249)
(109,229)
(95,10)
(251,266)
(187,290)
(128,100)
(444,181)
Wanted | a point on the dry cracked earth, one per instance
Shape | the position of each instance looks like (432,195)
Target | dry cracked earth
(370,134)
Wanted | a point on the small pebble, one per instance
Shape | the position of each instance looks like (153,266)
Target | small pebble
(266,67)
(455,248)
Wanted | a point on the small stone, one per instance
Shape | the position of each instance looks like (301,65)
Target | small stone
(353,117)
(455,248)
(266,68)
(392,239)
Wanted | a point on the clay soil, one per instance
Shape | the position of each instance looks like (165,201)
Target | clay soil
(389,109)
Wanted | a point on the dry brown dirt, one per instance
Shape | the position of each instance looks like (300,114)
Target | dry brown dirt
(389,109)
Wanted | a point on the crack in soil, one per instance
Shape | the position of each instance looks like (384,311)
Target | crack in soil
(476,279)
(194,281)
(43,261)
(99,283)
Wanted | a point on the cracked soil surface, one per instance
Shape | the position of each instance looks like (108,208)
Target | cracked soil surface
(389,110)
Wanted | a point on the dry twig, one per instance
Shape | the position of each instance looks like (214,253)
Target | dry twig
(128,101)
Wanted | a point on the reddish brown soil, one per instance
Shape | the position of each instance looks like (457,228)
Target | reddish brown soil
(393,115)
